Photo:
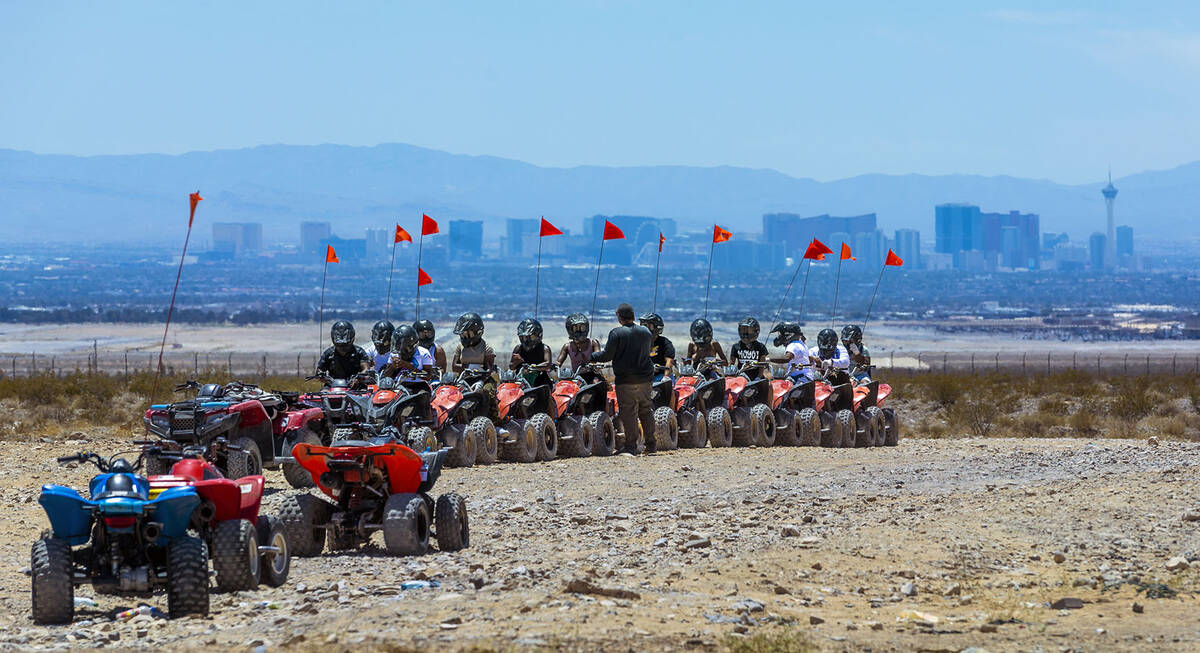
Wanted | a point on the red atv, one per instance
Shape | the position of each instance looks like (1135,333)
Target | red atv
(749,402)
(451,415)
(700,406)
(853,415)
(582,412)
(526,430)
(246,547)
(375,485)
(797,410)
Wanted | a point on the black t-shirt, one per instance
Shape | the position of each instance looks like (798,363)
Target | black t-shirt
(341,366)
(661,349)
(740,353)
(539,354)
(628,347)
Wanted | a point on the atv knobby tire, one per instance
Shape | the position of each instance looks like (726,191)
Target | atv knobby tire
(574,438)
(666,429)
(422,439)
(484,433)
(766,432)
(53,593)
(874,418)
(297,476)
(831,434)
(524,445)
(892,428)
(604,433)
(720,427)
(547,436)
(240,464)
(846,427)
(406,523)
(303,517)
(809,421)
(187,577)
(274,564)
(693,431)
(450,519)
(787,427)
(464,452)
(235,555)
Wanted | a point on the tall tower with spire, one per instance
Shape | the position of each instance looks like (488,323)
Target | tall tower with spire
(1110,241)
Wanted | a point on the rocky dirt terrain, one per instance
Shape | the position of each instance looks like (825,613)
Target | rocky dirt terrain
(933,545)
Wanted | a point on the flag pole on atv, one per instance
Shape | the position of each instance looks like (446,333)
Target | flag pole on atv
(837,284)
(429,226)
(401,234)
(547,229)
(891,259)
(657,265)
(611,232)
(719,236)
(193,200)
(330,257)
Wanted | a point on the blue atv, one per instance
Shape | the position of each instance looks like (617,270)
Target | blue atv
(127,543)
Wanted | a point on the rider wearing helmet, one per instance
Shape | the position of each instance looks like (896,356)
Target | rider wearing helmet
(828,354)
(703,347)
(381,337)
(662,350)
(425,338)
(531,351)
(748,350)
(580,346)
(795,351)
(860,358)
(473,353)
(407,354)
(344,359)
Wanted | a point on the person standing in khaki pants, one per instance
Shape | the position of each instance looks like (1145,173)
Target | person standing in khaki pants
(628,347)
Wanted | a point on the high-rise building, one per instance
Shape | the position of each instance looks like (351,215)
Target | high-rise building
(1124,241)
(466,240)
(1096,252)
(379,242)
(870,247)
(313,236)
(1012,239)
(958,227)
(908,247)
(796,232)
(237,238)
(1110,198)
(515,231)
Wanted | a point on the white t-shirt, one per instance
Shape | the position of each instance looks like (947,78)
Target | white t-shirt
(799,363)
(840,360)
(421,358)
(380,360)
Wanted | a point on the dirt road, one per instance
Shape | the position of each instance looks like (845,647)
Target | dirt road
(932,545)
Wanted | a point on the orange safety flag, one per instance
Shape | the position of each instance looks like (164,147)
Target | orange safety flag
(892,259)
(548,229)
(817,250)
(720,235)
(846,253)
(330,255)
(611,232)
(402,235)
(423,278)
(194,198)
(661,240)
(428,225)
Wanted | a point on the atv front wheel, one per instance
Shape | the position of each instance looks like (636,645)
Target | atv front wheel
(274,564)
(304,517)
(235,555)
(297,476)
(831,433)
(53,593)
(810,427)
(423,439)
(787,427)
(453,529)
(720,427)
(604,433)
(247,462)
(464,452)
(483,432)
(524,445)
(765,435)
(575,438)
(187,577)
(846,427)
(891,428)
(666,429)
(406,525)
(874,435)
(692,431)
(547,436)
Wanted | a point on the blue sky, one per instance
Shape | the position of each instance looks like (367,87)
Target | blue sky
(1025,89)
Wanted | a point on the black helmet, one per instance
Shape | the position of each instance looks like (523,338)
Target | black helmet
(852,333)
(469,329)
(381,334)
(654,322)
(827,341)
(425,332)
(404,341)
(748,330)
(788,332)
(342,334)
(701,332)
(578,327)
(529,332)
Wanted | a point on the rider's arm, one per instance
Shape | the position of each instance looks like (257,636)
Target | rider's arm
(514,362)
(562,355)
(606,354)
(489,359)
(325,361)
(457,365)
(439,358)
(719,352)
(691,353)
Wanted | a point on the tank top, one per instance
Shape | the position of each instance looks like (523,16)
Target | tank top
(473,357)
(579,356)
(704,352)
(538,355)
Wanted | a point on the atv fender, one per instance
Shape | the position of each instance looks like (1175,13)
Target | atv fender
(69,513)
(301,418)
(252,413)
(431,469)
(403,465)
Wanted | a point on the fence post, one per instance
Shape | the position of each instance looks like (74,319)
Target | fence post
(997,361)
(264,365)
(919,354)
(1147,364)
(1047,363)
(944,362)
(972,362)
(126,364)
(297,364)
(1126,363)
(229,366)
(52,358)
(1024,371)
(33,362)
(1173,359)
(1074,355)
(891,362)
(1097,364)
(196,363)
(14,365)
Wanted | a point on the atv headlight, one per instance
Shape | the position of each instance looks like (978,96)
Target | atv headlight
(406,411)
(160,421)
(213,418)
(468,405)
(527,402)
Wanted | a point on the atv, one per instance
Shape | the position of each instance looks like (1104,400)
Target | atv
(749,402)
(876,426)
(583,412)
(797,411)
(666,422)
(128,543)
(700,406)
(246,547)
(526,432)
(460,419)
(376,484)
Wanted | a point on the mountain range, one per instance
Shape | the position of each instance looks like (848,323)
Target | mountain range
(143,198)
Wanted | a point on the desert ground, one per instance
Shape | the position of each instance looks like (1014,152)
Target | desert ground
(934,545)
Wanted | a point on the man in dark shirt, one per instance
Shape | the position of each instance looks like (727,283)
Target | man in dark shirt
(662,350)
(628,347)
(748,349)
(344,359)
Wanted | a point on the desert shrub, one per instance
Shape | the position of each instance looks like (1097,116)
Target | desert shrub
(787,641)
(1084,422)
(978,414)
(1035,425)
(1174,426)
(1130,398)
(1050,404)
(944,389)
